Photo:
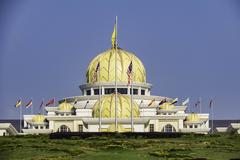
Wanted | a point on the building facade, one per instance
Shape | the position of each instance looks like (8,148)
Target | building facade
(116,98)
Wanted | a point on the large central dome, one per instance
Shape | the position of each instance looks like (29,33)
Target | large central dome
(107,67)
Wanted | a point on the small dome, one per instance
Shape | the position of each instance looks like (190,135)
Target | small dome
(38,119)
(193,117)
(108,107)
(167,106)
(107,67)
(111,128)
(65,106)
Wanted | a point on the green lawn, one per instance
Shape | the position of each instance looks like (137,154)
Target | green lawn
(215,147)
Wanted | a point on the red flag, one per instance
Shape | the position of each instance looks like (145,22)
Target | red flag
(29,104)
(129,72)
(151,103)
(210,103)
(50,102)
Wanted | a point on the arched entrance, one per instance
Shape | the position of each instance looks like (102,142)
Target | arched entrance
(168,128)
(64,128)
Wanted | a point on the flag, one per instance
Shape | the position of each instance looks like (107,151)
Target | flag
(152,101)
(129,72)
(197,103)
(18,103)
(29,104)
(210,103)
(114,34)
(96,71)
(75,101)
(186,101)
(41,104)
(50,102)
(162,102)
(174,101)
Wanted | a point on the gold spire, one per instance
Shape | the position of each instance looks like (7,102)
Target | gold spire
(114,34)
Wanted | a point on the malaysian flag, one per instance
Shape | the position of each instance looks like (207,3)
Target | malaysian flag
(29,104)
(96,71)
(152,102)
(129,72)
(50,102)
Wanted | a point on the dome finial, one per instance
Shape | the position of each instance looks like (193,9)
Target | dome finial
(114,35)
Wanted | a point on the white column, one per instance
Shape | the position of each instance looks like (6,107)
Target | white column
(103,90)
(180,125)
(139,90)
(92,93)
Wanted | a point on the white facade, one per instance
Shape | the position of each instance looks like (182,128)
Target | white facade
(151,120)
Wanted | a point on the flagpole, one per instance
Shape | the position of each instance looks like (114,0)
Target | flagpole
(100,104)
(43,106)
(116,109)
(200,105)
(212,116)
(32,106)
(20,112)
(132,129)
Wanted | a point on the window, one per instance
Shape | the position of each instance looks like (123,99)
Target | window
(195,126)
(122,90)
(135,91)
(151,128)
(190,126)
(80,128)
(96,91)
(169,128)
(41,127)
(64,128)
(109,90)
(142,92)
(88,92)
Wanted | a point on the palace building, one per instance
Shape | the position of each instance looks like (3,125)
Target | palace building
(116,98)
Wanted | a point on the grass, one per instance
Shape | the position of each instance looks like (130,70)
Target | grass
(187,147)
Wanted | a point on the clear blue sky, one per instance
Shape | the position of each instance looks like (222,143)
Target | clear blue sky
(189,48)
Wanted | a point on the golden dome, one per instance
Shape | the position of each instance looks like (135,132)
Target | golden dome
(108,107)
(38,119)
(107,67)
(111,128)
(65,106)
(167,106)
(193,117)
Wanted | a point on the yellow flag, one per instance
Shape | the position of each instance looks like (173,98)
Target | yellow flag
(18,103)
(114,35)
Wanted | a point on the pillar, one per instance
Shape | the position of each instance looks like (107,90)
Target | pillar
(92,92)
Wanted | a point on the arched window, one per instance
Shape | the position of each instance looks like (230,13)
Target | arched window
(64,128)
(168,128)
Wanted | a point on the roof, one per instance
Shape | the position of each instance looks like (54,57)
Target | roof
(9,127)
